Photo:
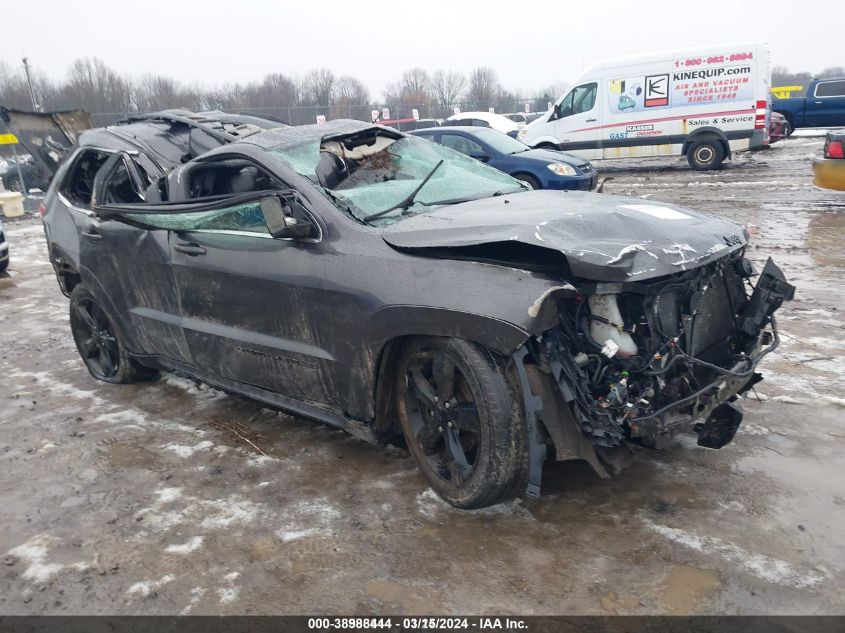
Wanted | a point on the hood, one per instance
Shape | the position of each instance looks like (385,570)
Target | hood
(604,238)
(553,156)
(47,136)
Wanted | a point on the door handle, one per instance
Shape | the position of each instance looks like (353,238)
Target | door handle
(591,120)
(92,234)
(190,249)
(817,102)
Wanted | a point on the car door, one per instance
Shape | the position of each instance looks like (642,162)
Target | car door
(251,305)
(577,119)
(129,266)
(826,107)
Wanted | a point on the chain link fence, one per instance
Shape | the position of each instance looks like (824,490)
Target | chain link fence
(307,114)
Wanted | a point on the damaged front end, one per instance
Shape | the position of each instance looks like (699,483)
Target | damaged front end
(636,362)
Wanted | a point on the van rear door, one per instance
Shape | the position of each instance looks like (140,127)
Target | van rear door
(577,121)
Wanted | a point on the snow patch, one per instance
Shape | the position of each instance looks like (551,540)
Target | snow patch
(192,545)
(773,570)
(34,552)
(788,400)
(144,588)
(196,595)
(431,506)
(185,451)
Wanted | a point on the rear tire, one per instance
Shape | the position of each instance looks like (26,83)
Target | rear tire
(4,265)
(100,342)
(462,422)
(705,154)
(787,129)
(531,181)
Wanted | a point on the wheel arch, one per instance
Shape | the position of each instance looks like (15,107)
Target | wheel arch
(67,274)
(90,281)
(546,142)
(522,172)
(704,133)
(394,327)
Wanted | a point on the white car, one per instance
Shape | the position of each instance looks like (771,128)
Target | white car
(4,250)
(498,122)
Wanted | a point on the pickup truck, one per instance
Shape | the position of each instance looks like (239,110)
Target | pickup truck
(823,105)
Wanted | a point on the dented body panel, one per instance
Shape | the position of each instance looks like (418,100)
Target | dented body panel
(603,238)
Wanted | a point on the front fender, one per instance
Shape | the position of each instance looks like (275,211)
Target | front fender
(545,139)
(392,323)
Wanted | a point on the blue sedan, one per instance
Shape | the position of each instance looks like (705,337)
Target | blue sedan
(538,168)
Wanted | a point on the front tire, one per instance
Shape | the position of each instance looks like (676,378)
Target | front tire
(705,154)
(100,343)
(462,422)
(531,181)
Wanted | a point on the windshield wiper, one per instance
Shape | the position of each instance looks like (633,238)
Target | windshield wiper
(408,201)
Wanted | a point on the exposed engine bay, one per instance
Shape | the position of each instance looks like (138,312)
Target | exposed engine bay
(638,361)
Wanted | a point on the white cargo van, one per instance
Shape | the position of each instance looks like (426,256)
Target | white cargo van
(700,103)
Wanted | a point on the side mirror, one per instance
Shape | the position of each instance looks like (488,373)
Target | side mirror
(279,216)
(482,156)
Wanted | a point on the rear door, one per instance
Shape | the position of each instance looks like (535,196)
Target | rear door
(826,106)
(251,307)
(129,266)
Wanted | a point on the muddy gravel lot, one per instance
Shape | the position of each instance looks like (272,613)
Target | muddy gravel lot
(146,499)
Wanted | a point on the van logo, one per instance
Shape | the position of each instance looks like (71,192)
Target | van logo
(656,91)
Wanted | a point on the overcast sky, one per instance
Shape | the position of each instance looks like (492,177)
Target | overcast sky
(531,43)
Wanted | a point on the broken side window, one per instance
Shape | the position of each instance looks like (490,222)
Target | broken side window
(243,218)
(228,177)
(78,186)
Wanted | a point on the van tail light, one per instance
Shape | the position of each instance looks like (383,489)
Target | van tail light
(834,149)
(760,116)
(42,209)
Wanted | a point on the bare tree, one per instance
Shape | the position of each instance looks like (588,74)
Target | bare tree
(412,90)
(275,91)
(446,88)
(415,86)
(318,87)
(835,71)
(95,87)
(483,88)
(155,92)
(349,90)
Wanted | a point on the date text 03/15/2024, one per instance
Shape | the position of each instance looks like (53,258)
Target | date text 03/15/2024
(417,623)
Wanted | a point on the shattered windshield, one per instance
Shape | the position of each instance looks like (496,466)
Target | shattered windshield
(387,174)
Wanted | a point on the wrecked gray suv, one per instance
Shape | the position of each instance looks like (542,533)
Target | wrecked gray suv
(382,283)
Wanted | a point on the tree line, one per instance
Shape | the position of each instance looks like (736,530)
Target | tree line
(781,76)
(92,85)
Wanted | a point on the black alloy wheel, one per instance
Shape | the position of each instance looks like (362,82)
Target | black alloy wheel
(99,342)
(461,421)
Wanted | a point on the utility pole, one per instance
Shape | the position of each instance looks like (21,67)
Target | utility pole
(35,106)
